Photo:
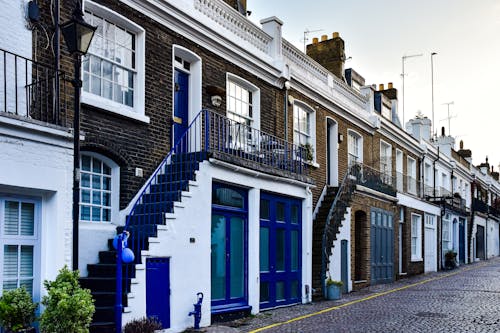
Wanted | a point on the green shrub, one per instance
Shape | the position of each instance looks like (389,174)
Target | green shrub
(142,325)
(17,310)
(331,282)
(69,308)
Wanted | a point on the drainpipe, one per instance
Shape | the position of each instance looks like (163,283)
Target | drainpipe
(57,61)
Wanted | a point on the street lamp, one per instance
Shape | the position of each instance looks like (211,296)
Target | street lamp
(432,88)
(77,34)
(403,58)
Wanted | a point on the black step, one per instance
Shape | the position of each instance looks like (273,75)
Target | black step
(103,284)
(107,298)
(107,257)
(109,270)
(154,208)
(102,327)
(104,313)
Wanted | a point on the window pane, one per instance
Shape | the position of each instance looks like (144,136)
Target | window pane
(280,211)
(264,209)
(294,289)
(11,218)
(85,180)
(85,196)
(27,219)
(280,290)
(96,182)
(264,291)
(227,197)
(218,257)
(27,284)
(85,213)
(264,249)
(280,249)
(96,214)
(237,257)
(294,248)
(85,163)
(26,261)
(96,197)
(10,261)
(295,214)
(106,199)
(106,215)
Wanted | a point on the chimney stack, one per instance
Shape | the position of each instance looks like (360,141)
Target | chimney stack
(329,53)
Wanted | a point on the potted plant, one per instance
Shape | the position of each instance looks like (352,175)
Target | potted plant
(17,311)
(333,289)
(68,307)
(450,259)
(307,152)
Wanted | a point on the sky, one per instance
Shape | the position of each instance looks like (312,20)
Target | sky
(465,34)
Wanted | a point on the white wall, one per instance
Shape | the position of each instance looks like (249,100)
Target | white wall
(493,247)
(190,270)
(16,38)
(38,162)
(335,259)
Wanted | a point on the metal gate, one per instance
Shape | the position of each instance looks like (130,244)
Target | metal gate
(382,246)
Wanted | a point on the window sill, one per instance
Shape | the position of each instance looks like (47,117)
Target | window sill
(417,259)
(113,107)
(313,164)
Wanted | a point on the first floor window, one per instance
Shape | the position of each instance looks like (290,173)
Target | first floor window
(416,237)
(97,188)
(354,147)
(18,243)
(411,170)
(304,128)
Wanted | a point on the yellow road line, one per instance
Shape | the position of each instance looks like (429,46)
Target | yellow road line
(337,307)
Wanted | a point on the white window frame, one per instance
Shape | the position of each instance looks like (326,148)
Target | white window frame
(34,241)
(312,126)
(416,237)
(354,142)
(386,161)
(115,188)
(136,112)
(411,171)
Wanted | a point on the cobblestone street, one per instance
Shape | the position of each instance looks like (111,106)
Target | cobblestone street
(463,300)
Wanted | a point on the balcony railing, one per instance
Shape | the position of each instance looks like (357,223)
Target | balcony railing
(28,90)
(246,145)
(479,206)
(373,179)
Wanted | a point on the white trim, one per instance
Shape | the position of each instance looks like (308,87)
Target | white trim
(138,111)
(312,124)
(255,97)
(418,245)
(115,187)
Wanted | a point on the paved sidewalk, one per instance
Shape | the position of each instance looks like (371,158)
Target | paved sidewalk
(299,313)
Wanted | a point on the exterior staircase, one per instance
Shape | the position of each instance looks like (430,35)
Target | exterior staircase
(326,226)
(165,189)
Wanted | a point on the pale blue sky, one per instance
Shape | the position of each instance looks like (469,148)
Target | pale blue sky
(464,33)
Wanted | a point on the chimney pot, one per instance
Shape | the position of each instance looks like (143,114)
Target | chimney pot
(381,86)
(335,35)
(389,85)
(315,40)
(461,144)
(324,37)
(442,131)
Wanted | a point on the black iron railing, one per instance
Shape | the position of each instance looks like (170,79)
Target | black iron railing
(29,89)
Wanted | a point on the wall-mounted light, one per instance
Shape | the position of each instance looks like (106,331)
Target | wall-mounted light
(216,94)
(341,137)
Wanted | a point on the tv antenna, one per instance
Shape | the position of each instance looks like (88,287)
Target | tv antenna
(449,116)
(306,36)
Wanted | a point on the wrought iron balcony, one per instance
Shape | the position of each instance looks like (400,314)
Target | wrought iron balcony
(28,90)
(479,205)
(373,179)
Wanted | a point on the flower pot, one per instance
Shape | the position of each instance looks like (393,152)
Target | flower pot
(333,292)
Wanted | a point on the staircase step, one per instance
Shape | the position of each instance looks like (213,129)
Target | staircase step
(107,298)
(102,327)
(194,156)
(177,185)
(103,284)
(107,257)
(104,314)
(154,208)
(164,196)
(142,219)
(109,270)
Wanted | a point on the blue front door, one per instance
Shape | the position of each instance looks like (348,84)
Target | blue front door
(382,246)
(228,248)
(181,104)
(280,250)
(158,290)
(461,241)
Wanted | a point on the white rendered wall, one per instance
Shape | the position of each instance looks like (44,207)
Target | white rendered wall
(38,162)
(16,38)
(493,241)
(190,269)
(335,259)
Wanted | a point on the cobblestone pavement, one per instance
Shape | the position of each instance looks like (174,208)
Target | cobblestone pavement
(463,300)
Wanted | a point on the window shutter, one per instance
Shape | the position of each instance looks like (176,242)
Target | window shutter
(10,262)
(11,218)
(27,219)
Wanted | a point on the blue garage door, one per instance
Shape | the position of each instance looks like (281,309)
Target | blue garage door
(280,250)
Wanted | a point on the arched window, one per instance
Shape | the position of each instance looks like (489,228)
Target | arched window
(99,188)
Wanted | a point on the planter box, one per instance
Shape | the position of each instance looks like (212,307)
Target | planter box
(333,292)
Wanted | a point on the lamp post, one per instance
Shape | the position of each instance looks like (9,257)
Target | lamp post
(432,88)
(77,34)
(403,58)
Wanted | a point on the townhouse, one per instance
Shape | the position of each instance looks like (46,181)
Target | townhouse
(242,168)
